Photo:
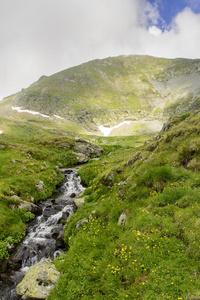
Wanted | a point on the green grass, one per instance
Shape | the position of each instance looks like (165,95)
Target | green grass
(156,254)
(101,90)
(26,158)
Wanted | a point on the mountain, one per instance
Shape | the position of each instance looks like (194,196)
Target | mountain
(141,89)
(140,237)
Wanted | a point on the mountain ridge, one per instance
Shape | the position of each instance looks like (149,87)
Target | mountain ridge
(113,90)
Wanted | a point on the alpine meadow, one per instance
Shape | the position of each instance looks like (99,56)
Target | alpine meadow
(132,124)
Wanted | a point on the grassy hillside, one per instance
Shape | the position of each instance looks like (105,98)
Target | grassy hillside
(30,155)
(112,90)
(154,253)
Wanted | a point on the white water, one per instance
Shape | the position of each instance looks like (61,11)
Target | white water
(40,235)
(41,241)
(107,130)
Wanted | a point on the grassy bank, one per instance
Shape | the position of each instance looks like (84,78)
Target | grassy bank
(26,160)
(154,253)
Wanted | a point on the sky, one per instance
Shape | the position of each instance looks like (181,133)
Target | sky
(42,37)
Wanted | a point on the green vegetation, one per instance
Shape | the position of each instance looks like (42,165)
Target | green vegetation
(140,238)
(155,253)
(112,90)
(26,160)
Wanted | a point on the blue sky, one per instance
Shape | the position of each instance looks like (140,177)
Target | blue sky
(168,9)
(42,37)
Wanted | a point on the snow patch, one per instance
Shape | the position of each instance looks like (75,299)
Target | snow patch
(107,130)
(29,111)
(1,131)
(58,117)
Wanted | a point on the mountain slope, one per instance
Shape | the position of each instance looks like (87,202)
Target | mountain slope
(113,90)
(141,239)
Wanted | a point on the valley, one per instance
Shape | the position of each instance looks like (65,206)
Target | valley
(133,122)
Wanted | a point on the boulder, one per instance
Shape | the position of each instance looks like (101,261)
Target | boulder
(86,148)
(38,281)
(29,207)
(82,158)
(79,201)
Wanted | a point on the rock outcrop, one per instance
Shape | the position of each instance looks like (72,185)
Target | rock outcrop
(38,281)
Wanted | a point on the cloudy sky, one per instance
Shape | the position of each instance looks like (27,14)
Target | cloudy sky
(42,37)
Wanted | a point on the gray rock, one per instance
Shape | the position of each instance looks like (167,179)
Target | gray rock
(15,197)
(65,215)
(122,219)
(82,158)
(40,186)
(38,281)
(79,201)
(123,182)
(28,206)
(81,223)
(86,148)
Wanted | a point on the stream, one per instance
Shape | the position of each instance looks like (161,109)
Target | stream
(45,234)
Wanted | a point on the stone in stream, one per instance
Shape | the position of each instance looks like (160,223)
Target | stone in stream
(73,195)
(22,253)
(38,281)
(65,215)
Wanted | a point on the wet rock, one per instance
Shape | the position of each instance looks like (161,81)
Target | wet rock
(65,215)
(60,241)
(55,232)
(3,265)
(48,211)
(81,223)
(79,202)
(38,281)
(22,252)
(73,195)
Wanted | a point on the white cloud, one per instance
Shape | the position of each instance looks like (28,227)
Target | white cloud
(45,36)
(155,31)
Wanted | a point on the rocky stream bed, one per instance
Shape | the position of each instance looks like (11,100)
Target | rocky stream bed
(45,235)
